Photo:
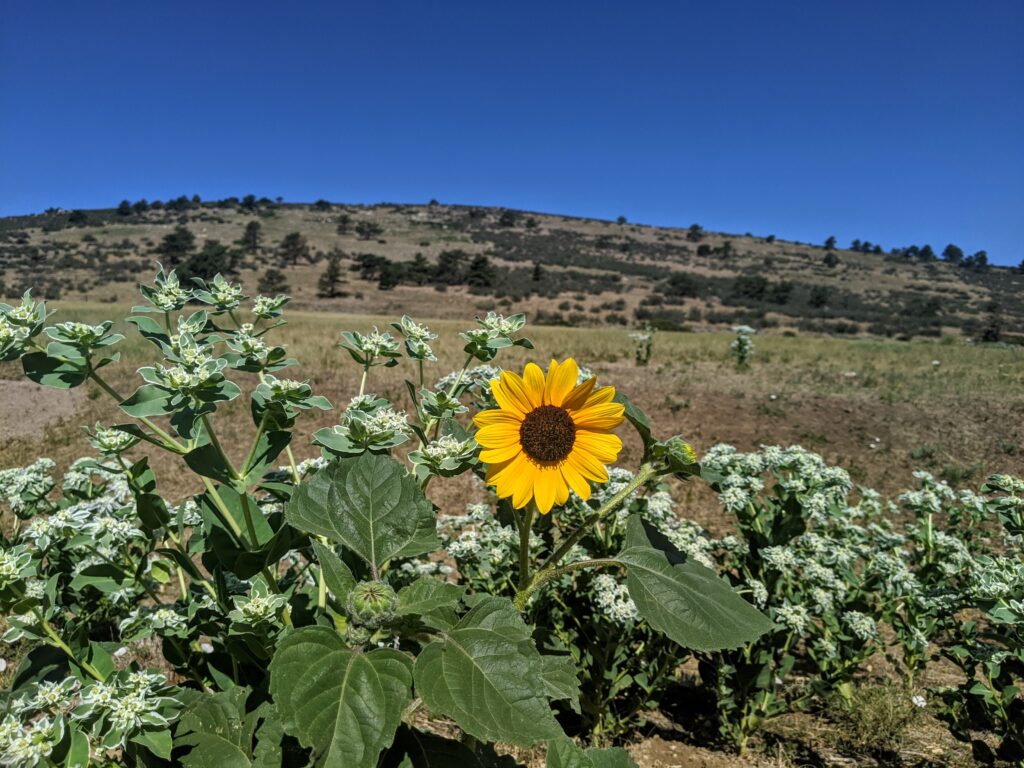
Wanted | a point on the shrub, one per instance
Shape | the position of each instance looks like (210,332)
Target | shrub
(306,606)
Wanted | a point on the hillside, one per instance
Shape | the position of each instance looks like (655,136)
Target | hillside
(426,260)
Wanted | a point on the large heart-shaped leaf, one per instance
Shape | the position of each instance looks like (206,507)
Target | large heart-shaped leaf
(428,595)
(564,753)
(220,732)
(487,675)
(344,704)
(562,682)
(369,504)
(689,602)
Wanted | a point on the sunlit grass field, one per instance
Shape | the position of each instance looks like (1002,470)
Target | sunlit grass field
(879,408)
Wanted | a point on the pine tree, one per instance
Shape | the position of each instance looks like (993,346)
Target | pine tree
(420,270)
(481,273)
(293,248)
(176,246)
(391,274)
(251,237)
(328,286)
(273,281)
(214,258)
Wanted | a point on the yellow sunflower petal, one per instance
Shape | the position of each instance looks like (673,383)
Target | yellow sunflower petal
(588,466)
(517,387)
(575,480)
(508,391)
(548,485)
(603,416)
(497,416)
(523,490)
(561,381)
(563,492)
(603,395)
(533,379)
(494,435)
(496,471)
(578,397)
(603,446)
(499,453)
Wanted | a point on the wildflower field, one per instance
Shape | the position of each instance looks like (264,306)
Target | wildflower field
(290,539)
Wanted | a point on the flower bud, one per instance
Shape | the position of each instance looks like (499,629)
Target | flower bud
(371,603)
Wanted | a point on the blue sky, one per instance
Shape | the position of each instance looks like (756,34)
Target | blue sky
(896,122)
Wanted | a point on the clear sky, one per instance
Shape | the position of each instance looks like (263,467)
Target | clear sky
(895,122)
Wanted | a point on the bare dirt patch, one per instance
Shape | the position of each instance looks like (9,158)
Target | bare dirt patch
(28,409)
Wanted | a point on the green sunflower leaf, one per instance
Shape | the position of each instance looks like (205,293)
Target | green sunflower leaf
(487,675)
(564,753)
(343,704)
(689,602)
(369,504)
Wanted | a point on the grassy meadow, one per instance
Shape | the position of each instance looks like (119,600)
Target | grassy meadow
(878,408)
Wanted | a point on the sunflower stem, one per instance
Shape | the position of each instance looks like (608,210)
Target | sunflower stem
(550,568)
(543,577)
(525,521)
(645,473)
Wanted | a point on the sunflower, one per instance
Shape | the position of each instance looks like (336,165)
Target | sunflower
(548,435)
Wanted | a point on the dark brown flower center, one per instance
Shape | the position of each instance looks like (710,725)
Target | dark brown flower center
(547,433)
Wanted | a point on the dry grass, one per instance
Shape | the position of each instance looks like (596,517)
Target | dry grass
(877,408)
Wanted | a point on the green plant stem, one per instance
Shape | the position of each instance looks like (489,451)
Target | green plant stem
(57,642)
(170,443)
(247,466)
(250,525)
(543,577)
(149,591)
(436,423)
(645,473)
(362,381)
(525,522)
(296,477)
(225,516)
(218,448)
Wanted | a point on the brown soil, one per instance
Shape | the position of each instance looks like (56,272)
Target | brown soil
(28,410)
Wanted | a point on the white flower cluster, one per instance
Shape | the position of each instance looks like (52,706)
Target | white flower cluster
(861,625)
(259,607)
(795,618)
(169,295)
(475,380)
(417,338)
(20,485)
(31,744)
(387,421)
(130,701)
(267,307)
(376,344)
(447,447)
(111,441)
(12,336)
(613,599)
